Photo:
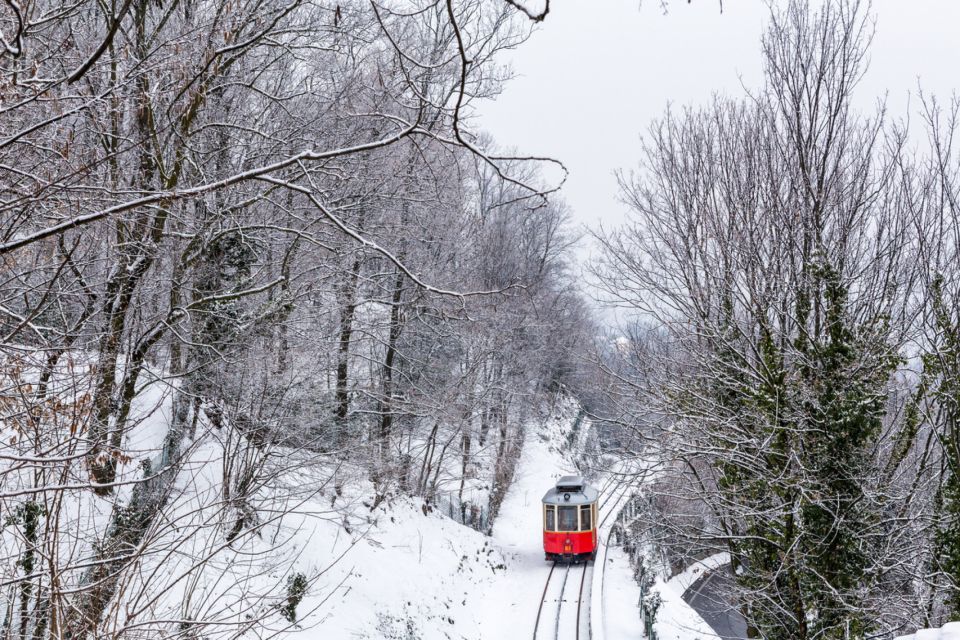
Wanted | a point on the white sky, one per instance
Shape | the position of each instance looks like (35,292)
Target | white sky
(597,72)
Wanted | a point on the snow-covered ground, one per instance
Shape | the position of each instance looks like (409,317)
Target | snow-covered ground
(615,601)
(410,574)
(949,631)
(621,598)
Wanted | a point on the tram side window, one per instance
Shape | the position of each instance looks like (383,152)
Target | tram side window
(585,518)
(551,519)
(568,519)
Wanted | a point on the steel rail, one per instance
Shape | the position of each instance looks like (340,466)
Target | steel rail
(543,598)
(563,589)
(583,579)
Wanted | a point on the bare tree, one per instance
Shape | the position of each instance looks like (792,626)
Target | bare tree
(774,243)
(250,251)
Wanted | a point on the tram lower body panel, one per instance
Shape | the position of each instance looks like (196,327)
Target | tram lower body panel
(569,545)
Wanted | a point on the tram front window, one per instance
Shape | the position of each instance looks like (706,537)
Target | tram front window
(568,519)
(551,519)
(585,518)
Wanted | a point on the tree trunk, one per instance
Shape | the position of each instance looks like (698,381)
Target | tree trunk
(386,401)
(348,300)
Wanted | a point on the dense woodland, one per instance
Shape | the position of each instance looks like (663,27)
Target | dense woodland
(793,262)
(273,218)
(269,230)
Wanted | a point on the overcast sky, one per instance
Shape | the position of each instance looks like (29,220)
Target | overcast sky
(597,72)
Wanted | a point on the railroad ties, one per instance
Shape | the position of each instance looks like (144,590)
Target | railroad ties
(564,609)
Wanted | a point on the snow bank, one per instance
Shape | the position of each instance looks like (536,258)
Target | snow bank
(677,620)
(410,574)
(949,631)
(686,578)
(620,596)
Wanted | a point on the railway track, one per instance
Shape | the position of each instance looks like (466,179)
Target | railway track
(613,497)
(562,616)
(543,599)
(608,482)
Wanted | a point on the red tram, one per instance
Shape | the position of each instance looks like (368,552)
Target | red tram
(570,520)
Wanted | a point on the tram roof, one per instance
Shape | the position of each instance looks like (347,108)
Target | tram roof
(571,490)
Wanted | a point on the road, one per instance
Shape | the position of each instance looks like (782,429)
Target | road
(710,596)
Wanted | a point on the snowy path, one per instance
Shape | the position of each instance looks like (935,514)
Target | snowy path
(610,596)
(518,533)
(677,620)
